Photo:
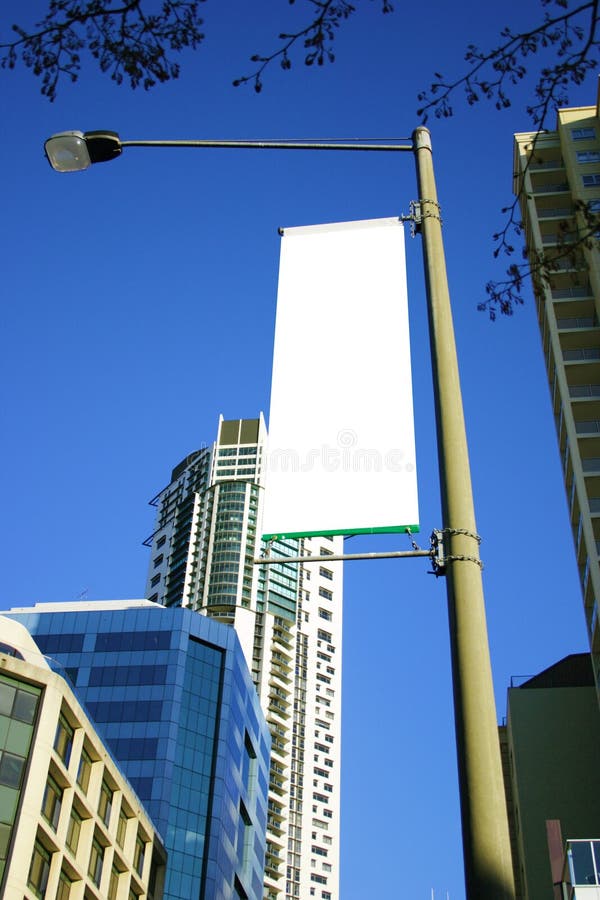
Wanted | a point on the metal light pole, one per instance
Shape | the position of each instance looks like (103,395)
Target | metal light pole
(487,857)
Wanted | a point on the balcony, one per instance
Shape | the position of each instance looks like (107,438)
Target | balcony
(581,871)
(587,426)
(581,354)
(557,187)
(569,293)
(570,322)
(555,212)
(556,237)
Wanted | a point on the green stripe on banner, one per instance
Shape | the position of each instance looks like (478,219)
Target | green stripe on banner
(384,529)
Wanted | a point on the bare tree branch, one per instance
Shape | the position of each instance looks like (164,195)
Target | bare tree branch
(129,40)
(571,36)
(573,237)
(316,38)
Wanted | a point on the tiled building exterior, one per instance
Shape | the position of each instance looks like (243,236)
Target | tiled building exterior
(289,621)
(171,694)
(71,826)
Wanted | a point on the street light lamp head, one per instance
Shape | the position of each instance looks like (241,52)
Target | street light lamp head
(73,151)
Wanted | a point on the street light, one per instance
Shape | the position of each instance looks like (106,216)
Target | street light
(487,857)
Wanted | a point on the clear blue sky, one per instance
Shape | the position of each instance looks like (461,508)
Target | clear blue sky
(139,302)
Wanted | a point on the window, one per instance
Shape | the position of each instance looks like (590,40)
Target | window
(155,580)
(18,704)
(323,635)
(138,859)
(109,676)
(63,742)
(594,205)
(11,769)
(327,595)
(588,156)
(73,832)
(84,771)
(160,542)
(133,640)
(135,748)
(105,803)
(39,870)
(583,134)
(113,884)
(64,887)
(591,180)
(121,828)
(52,803)
(318,878)
(158,560)
(50,644)
(126,710)
(326,573)
(325,614)
(96,860)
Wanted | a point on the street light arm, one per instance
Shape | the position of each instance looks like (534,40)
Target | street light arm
(345,144)
(73,151)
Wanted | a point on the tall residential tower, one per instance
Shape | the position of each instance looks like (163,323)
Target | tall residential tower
(557,179)
(288,617)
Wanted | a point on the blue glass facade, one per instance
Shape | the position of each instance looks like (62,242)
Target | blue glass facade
(170,693)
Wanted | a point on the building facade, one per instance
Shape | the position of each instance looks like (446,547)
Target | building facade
(171,694)
(288,617)
(551,772)
(71,827)
(557,179)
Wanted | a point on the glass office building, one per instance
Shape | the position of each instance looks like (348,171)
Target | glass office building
(71,826)
(171,694)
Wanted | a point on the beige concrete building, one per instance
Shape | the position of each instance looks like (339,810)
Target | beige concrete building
(71,827)
(557,178)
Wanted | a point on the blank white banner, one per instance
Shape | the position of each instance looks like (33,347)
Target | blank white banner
(341,448)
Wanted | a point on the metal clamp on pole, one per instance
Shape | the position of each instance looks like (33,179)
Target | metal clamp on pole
(438,559)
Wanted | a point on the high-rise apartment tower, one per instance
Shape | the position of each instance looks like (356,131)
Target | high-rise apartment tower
(288,618)
(557,179)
